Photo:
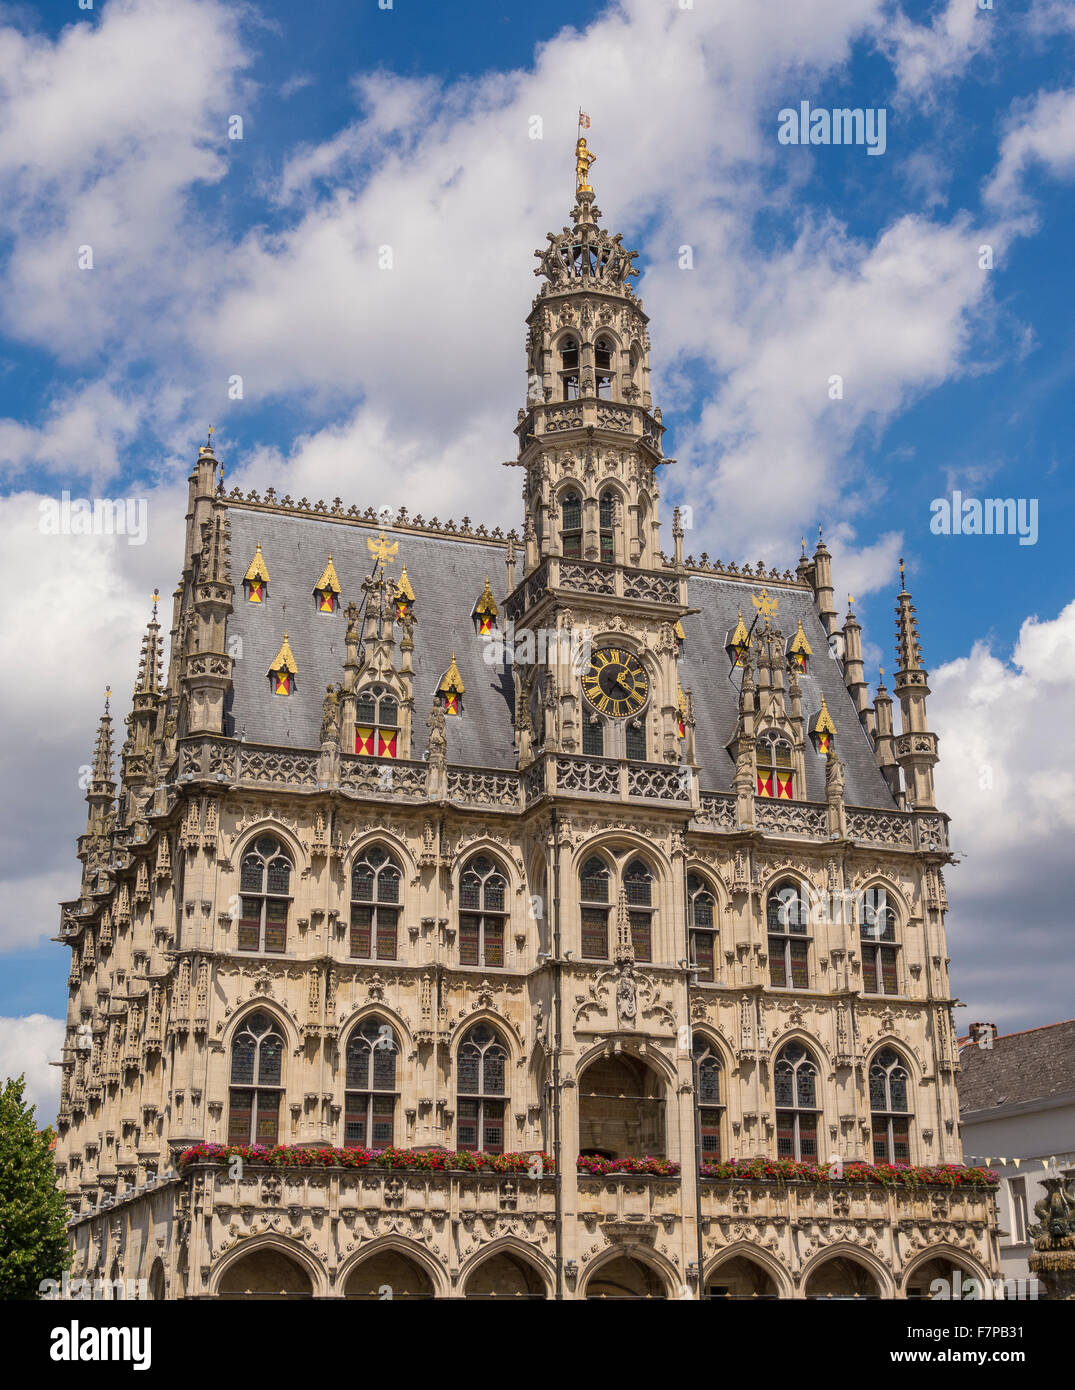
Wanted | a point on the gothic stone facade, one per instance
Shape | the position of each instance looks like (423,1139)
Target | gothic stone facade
(358,884)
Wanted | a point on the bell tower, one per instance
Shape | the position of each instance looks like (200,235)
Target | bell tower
(590,447)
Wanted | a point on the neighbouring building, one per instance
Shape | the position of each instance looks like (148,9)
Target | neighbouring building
(1017,1116)
(663,890)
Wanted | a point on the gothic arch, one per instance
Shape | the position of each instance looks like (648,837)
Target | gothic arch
(605,843)
(906,1055)
(267,826)
(961,1258)
(279,1013)
(398,1245)
(778,874)
(894,895)
(512,1038)
(510,1245)
(706,1033)
(714,883)
(388,841)
(659,1264)
(747,1250)
(653,1058)
(377,1008)
(505,861)
(281,1245)
(847,1250)
(810,1041)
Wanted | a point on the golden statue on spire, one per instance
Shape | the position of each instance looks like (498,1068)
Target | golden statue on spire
(583,159)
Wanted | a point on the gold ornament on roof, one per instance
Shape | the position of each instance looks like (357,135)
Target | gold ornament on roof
(765,604)
(451,683)
(740,637)
(583,159)
(285,659)
(681,636)
(382,549)
(258,569)
(329,581)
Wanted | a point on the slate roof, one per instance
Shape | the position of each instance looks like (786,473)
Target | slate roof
(448,576)
(1032,1065)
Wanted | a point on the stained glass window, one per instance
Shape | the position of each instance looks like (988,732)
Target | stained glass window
(483,914)
(634,738)
(789,954)
(795,1094)
(370,1102)
(710,1108)
(775,767)
(265,881)
(606,526)
(593,738)
(571,526)
(594,894)
(254,1099)
(377,723)
(879,961)
(701,919)
(889,1108)
(480,1078)
(375,880)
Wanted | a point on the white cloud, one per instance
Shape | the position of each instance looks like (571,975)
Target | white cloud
(28,1045)
(928,55)
(1039,132)
(1003,779)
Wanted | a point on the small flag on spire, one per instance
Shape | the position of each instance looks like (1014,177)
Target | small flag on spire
(584,120)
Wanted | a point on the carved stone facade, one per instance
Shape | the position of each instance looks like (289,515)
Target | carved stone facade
(573,952)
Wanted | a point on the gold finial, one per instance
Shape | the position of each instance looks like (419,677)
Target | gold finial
(382,550)
(583,159)
(156,600)
(804,545)
(882,671)
(850,602)
(207,447)
(903,581)
(108,697)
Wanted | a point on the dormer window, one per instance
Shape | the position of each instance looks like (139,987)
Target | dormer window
(738,643)
(571,530)
(327,589)
(376,723)
(775,767)
(485,611)
(799,651)
(283,670)
(404,597)
(256,579)
(451,689)
(823,730)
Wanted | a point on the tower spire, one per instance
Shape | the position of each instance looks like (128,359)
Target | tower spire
(916,746)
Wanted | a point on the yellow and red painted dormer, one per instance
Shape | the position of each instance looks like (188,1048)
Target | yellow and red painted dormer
(738,643)
(327,589)
(799,651)
(256,579)
(283,670)
(823,730)
(451,689)
(404,597)
(485,611)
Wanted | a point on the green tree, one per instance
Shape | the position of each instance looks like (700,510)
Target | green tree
(33,1216)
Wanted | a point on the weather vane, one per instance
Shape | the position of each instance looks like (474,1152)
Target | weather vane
(765,604)
(383,550)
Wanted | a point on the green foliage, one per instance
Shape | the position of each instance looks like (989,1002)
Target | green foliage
(33,1216)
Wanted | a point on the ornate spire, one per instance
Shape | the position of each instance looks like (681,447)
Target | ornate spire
(908,645)
(451,683)
(916,746)
(257,570)
(624,949)
(285,659)
(148,681)
(329,582)
(102,752)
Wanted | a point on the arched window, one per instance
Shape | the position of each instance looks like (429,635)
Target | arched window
(702,920)
(606,517)
(375,880)
(370,1101)
(638,889)
(776,774)
(482,913)
(264,896)
(256,1090)
(602,360)
(795,1088)
(569,368)
(634,740)
(889,1112)
(481,1068)
(594,894)
(710,1106)
(878,937)
(571,529)
(789,946)
(593,736)
(376,723)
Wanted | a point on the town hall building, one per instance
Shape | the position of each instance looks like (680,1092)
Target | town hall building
(549,906)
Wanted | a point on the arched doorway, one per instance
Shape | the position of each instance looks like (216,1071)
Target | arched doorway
(740,1278)
(265,1274)
(926,1280)
(842,1277)
(389,1275)
(621,1109)
(156,1282)
(505,1275)
(626,1277)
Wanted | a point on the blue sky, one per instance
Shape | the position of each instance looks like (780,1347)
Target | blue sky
(411,127)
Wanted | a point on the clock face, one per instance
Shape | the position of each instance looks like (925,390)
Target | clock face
(616,682)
